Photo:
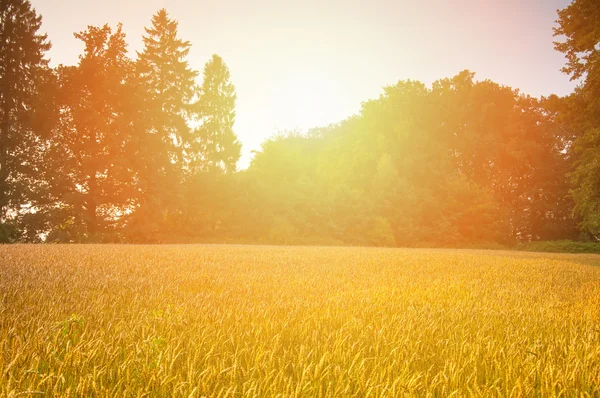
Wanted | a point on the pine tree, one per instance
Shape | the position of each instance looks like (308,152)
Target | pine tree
(216,147)
(169,80)
(170,83)
(23,69)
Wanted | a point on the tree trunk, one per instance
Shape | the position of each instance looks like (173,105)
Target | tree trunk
(91,207)
(5,115)
(92,204)
(4,127)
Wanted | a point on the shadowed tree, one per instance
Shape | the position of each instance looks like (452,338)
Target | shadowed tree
(212,153)
(579,25)
(23,70)
(504,142)
(169,83)
(92,139)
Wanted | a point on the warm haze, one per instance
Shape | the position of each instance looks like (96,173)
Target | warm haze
(381,245)
(301,64)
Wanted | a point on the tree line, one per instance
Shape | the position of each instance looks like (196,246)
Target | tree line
(142,150)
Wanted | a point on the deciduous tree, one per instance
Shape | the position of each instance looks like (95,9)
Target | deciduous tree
(93,138)
(579,27)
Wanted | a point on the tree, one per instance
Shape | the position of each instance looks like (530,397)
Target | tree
(94,179)
(23,70)
(212,156)
(169,82)
(579,25)
(215,146)
(509,145)
(412,141)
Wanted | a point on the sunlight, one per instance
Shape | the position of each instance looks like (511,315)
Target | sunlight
(300,198)
(302,101)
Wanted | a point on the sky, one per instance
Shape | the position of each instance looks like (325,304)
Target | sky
(305,63)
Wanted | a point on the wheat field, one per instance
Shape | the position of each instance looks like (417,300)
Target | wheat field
(251,321)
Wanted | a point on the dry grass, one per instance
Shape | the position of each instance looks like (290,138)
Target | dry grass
(277,321)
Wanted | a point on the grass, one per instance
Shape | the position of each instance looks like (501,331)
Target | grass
(296,322)
(561,246)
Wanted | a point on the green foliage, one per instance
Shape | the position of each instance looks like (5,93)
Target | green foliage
(116,150)
(586,178)
(92,178)
(72,328)
(579,26)
(381,233)
(169,88)
(24,75)
(561,246)
(9,232)
(418,167)
(215,147)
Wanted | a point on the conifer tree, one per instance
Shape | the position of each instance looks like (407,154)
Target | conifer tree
(216,147)
(23,69)
(169,82)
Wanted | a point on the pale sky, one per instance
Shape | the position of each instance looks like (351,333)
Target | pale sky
(305,63)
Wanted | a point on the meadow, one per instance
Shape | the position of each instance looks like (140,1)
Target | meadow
(252,321)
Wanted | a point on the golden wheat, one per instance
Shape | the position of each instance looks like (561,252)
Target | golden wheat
(294,322)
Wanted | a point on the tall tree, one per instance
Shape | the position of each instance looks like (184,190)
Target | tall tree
(503,141)
(215,146)
(167,76)
(23,68)
(579,25)
(212,155)
(430,201)
(170,83)
(92,140)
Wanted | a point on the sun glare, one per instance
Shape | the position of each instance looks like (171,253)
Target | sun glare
(300,198)
(303,101)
